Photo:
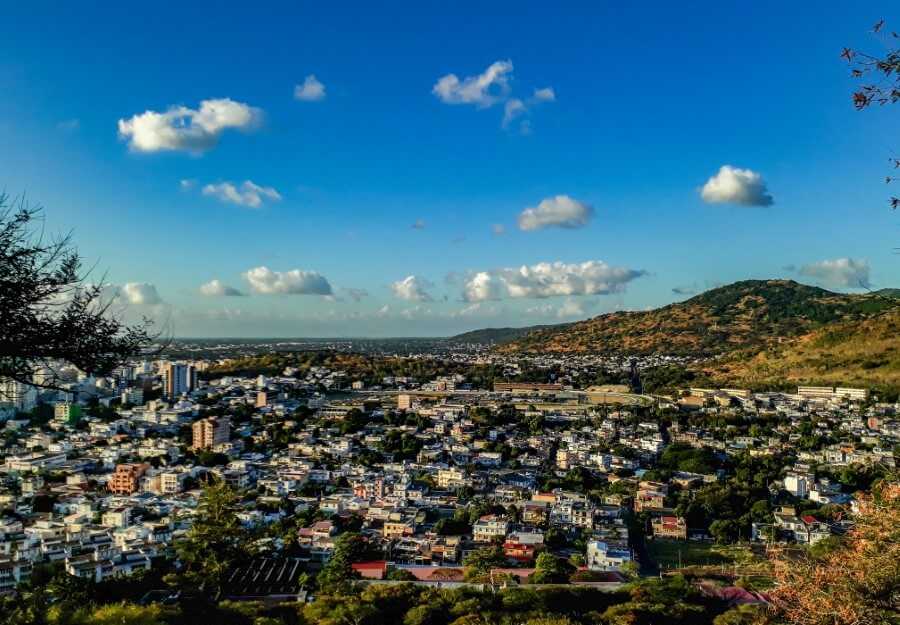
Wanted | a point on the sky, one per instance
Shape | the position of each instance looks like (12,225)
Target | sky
(422,169)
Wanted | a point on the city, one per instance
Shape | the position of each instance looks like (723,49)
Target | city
(449,314)
(451,483)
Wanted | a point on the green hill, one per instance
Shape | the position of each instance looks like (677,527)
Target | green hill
(851,353)
(494,336)
(751,315)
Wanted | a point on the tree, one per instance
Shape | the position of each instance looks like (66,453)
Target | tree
(481,561)
(880,74)
(48,312)
(119,614)
(337,576)
(742,615)
(856,583)
(216,541)
(550,570)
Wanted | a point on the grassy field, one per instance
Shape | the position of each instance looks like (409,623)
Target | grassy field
(745,564)
(860,353)
(670,554)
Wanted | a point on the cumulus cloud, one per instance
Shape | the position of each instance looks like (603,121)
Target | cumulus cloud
(248,194)
(412,288)
(839,272)
(483,90)
(186,184)
(736,186)
(310,91)
(294,282)
(592,277)
(216,288)
(136,293)
(516,108)
(492,87)
(185,129)
(560,211)
(513,108)
(544,95)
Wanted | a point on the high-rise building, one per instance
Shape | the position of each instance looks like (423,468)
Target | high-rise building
(67,412)
(22,397)
(133,396)
(126,478)
(178,379)
(211,432)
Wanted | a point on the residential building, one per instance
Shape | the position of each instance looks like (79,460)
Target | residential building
(210,432)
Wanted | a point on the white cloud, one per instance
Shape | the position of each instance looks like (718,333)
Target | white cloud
(187,129)
(544,95)
(515,108)
(418,224)
(839,272)
(311,90)
(186,184)
(412,288)
(560,211)
(248,194)
(216,288)
(138,294)
(482,90)
(512,109)
(592,277)
(736,186)
(498,229)
(295,282)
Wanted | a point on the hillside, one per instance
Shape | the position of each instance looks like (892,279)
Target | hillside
(751,315)
(864,353)
(495,336)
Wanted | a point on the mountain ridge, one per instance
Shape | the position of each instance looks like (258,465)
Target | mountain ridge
(746,315)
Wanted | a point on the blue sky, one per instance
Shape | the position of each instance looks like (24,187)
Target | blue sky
(619,117)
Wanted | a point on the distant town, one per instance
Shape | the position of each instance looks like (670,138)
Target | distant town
(450,480)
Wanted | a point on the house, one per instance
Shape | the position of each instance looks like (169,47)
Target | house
(375,569)
(603,556)
(523,546)
(489,527)
(669,527)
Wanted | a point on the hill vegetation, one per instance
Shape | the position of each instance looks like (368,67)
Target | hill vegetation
(855,353)
(744,317)
(492,336)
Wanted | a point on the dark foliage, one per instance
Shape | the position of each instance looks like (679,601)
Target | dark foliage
(48,312)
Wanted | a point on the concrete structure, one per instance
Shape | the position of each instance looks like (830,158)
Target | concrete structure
(126,479)
(669,527)
(178,379)
(211,432)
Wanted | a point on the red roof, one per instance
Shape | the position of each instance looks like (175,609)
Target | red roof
(809,519)
(373,565)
